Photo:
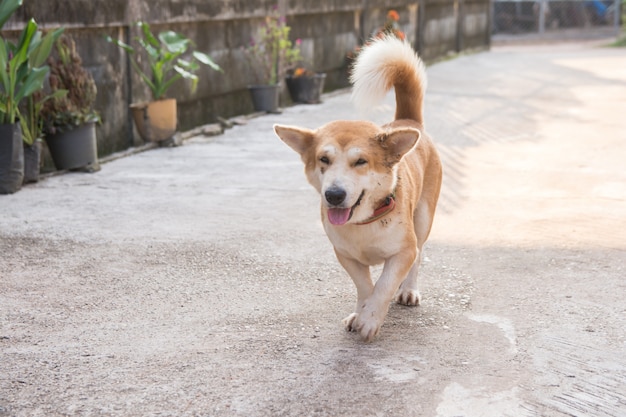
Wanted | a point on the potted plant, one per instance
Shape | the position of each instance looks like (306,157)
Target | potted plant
(22,73)
(305,86)
(390,27)
(156,120)
(69,119)
(271,54)
(31,124)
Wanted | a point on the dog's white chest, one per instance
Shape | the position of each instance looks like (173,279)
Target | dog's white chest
(368,244)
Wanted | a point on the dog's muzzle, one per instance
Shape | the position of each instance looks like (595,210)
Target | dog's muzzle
(336,196)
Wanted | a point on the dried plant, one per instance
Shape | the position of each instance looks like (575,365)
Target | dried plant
(63,113)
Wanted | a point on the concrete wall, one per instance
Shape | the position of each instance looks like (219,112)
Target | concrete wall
(328,28)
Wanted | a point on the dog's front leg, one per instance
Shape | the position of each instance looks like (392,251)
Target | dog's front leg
(374,310)
(360,275)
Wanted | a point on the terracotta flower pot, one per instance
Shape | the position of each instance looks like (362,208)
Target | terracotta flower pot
(156,120)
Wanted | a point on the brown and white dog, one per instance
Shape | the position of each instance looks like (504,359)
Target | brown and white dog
(379,185)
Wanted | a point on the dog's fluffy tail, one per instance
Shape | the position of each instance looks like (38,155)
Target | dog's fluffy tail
(389,62)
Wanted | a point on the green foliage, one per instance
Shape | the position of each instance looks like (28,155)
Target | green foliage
(164,54)
(272,53)
(31,119)
(66,111)
(7,7)
(22,69)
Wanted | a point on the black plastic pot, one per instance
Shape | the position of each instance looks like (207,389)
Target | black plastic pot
(74,149)
(32,162)
(11,158)
(306,89)
(265,97)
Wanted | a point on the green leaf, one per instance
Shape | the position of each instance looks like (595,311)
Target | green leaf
(206,60)
(42,51)
(188,75)
(7,7)
(145,28)
(153,52)
(57,94)
(4,57)
(33,82)
(169,83)
(168,57)
(189,66)
(174,42)
(121,44)
(143,76)
(26,37)
(27,135)
(34,42)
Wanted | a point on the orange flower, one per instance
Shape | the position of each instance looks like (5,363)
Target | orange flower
(298,72)
(393,15)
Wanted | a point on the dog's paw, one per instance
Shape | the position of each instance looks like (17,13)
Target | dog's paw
(349,322)
(368,329)
(408,297)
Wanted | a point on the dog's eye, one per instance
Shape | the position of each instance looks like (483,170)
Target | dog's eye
(360,161)
(324,160)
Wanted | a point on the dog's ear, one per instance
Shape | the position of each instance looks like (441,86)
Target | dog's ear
(399,142)
(299,139)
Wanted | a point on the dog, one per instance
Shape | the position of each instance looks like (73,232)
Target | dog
(379,185)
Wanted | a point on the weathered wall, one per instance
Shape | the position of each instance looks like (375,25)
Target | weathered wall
(328,29)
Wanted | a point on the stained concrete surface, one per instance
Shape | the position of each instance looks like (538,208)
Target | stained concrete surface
(197,281)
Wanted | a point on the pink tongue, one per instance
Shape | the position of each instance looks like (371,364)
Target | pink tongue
(338,216)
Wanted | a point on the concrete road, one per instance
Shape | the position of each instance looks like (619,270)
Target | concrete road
(197,281)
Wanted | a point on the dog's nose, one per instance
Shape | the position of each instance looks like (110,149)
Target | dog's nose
(335,195)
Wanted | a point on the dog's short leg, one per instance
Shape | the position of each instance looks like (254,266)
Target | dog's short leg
(360,275)
(408,294)
(375,308)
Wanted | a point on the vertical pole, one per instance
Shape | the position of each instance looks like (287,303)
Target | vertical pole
(616,16)
(129,86)
(282,11)
(542,16)
(421,23)
(416,44)
(491,23)
(460,19)
(364,36)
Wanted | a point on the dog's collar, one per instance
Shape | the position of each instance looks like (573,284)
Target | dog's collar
(387,207)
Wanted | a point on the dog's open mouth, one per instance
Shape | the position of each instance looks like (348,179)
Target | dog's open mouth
(339,216)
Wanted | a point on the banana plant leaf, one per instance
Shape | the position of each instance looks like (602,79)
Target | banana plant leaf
(42,47)
(7,7)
